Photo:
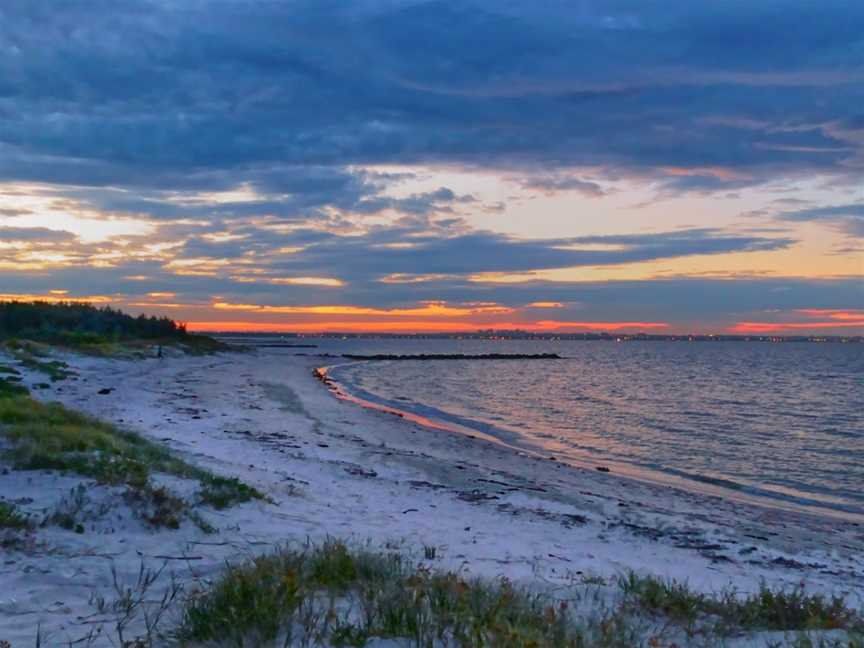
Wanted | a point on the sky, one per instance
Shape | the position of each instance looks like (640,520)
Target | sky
(416,166)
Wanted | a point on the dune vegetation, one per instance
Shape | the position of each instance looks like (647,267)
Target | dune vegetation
(49,436)
(25,327)
(335,594)
(338,595)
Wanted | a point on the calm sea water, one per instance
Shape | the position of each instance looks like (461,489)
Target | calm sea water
(784,422)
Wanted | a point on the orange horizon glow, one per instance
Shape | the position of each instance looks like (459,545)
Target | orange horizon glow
(428,309)
(57,296)
(845,314)
(435,317)
(545,326)
(779,327)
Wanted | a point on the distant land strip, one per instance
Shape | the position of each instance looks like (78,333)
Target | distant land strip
(457,356)
(278,345)
(534,336)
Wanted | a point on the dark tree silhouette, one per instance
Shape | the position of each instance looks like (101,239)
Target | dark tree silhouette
(69,322)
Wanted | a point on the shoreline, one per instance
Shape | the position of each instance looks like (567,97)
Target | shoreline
(331,468)
(744,493)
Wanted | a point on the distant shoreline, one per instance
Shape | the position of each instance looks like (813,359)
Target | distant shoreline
(527,336)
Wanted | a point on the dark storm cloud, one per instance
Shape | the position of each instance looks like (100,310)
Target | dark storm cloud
(168,94)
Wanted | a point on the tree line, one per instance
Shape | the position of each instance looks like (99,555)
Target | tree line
(80,322)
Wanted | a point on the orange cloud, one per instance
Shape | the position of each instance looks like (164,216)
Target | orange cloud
(308,281)
(554,325)
(429,309)
(156,305)
(417,326)
(400,277)
(722,173)
(847,315)
(836,319)
(780,327)
(545,304)
(56,296)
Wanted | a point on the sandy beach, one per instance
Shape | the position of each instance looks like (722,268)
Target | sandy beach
(334,468)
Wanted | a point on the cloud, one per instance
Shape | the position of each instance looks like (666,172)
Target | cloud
(384,253)
(296,194)
(557,183)
(849,218)
(691,304)
(200,93)
(259,142)
(808,319)
(437,326)
(41,235)
(427,309)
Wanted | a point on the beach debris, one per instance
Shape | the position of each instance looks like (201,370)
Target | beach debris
(418,483)
(475,496)
(360,471)
(567,520)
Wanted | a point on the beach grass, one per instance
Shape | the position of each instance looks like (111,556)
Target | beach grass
(341,596)
(222,492)
(333,594)
(49,436)
(12,518)
(33,355)
(336,594)
(93,330)
(728,611)
(131,349)
(11,387)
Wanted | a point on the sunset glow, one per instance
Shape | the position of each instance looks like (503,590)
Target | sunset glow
(418,326)
(442,188)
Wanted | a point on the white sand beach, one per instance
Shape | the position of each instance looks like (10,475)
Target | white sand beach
(334,468)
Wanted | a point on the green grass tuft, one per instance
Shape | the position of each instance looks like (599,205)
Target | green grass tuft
(11,518)
(32,356)
(334,595)
(338,596)
(52,437)
(11,388)
(223,492)
(770,610)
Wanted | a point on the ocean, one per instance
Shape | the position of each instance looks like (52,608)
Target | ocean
(780,423)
